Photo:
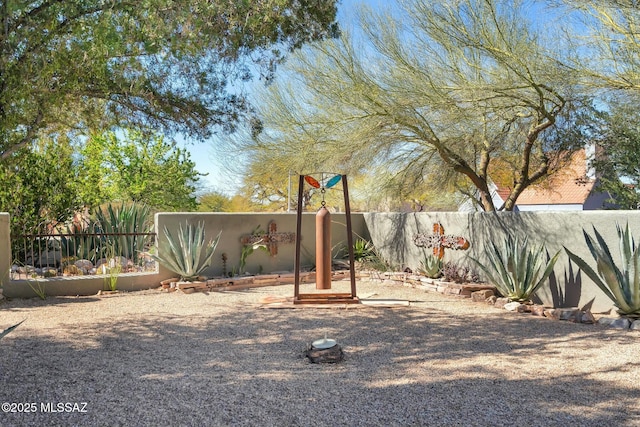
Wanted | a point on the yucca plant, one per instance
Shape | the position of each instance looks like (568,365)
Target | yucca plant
(431,266)
(620,284)
(516,270)
(184,255)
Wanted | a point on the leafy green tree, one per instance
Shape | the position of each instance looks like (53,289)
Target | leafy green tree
(39,186)
(447,93)
(618,165)
(138,168)
(151,64)
(214,201)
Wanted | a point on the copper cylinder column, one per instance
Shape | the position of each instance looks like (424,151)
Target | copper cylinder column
(323,249)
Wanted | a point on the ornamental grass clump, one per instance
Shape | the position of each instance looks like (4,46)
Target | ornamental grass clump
(184,254)
(516,270)
(620,284)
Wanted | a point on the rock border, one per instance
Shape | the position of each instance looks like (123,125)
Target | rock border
(485,293)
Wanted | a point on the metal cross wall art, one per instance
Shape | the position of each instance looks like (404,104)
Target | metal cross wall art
(439,241)
(271,238)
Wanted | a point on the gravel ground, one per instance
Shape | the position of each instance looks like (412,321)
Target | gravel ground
(222,359)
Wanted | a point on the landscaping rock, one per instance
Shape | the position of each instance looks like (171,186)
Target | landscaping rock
(491,300)
(514,306)
(552,314)
(537,310)
(479,296)
(635,325)
(84,264)
(587,317)
(617,323)
(568,313)
(500,302)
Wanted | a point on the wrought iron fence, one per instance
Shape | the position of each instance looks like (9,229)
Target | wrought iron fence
(81,253)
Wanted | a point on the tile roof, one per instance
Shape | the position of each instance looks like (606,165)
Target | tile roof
(567,186)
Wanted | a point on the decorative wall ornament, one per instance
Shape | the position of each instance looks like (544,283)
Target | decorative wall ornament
(439,241)
(271,238)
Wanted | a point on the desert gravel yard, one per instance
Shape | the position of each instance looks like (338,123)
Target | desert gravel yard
(222,359)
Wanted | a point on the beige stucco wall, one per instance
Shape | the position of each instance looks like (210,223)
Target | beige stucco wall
(392,234)
(233,227)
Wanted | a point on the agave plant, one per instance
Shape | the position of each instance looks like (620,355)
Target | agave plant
(363,250)
(128,227)
(184,255)
(516,271)
(431,266)
(9,329)
(621,285)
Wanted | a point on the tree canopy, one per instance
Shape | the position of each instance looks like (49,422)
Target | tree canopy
(139,168)
(39,186)
(169,66)
(460,94)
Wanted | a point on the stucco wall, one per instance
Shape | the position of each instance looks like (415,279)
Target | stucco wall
(233,227)
(392,234)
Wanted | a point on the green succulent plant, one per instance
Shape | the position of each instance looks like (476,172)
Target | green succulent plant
(620,284)
(184,254)
(516,270)
(128,227)
(9,329)
(363,250)
(431,266)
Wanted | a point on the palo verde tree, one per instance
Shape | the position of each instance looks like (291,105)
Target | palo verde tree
(462,93)
(608,48)
(150,64)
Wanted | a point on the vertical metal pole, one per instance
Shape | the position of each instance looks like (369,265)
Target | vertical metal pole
(296,291)
(289,194)
(347,209)
(323,249)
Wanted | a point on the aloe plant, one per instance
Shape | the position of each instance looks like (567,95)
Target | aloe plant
(516,271)
(620,284)
(184,255)
(431,266)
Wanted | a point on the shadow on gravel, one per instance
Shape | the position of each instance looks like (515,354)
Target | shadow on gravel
(402,367)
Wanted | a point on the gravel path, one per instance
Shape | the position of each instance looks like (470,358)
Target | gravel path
(221,359)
